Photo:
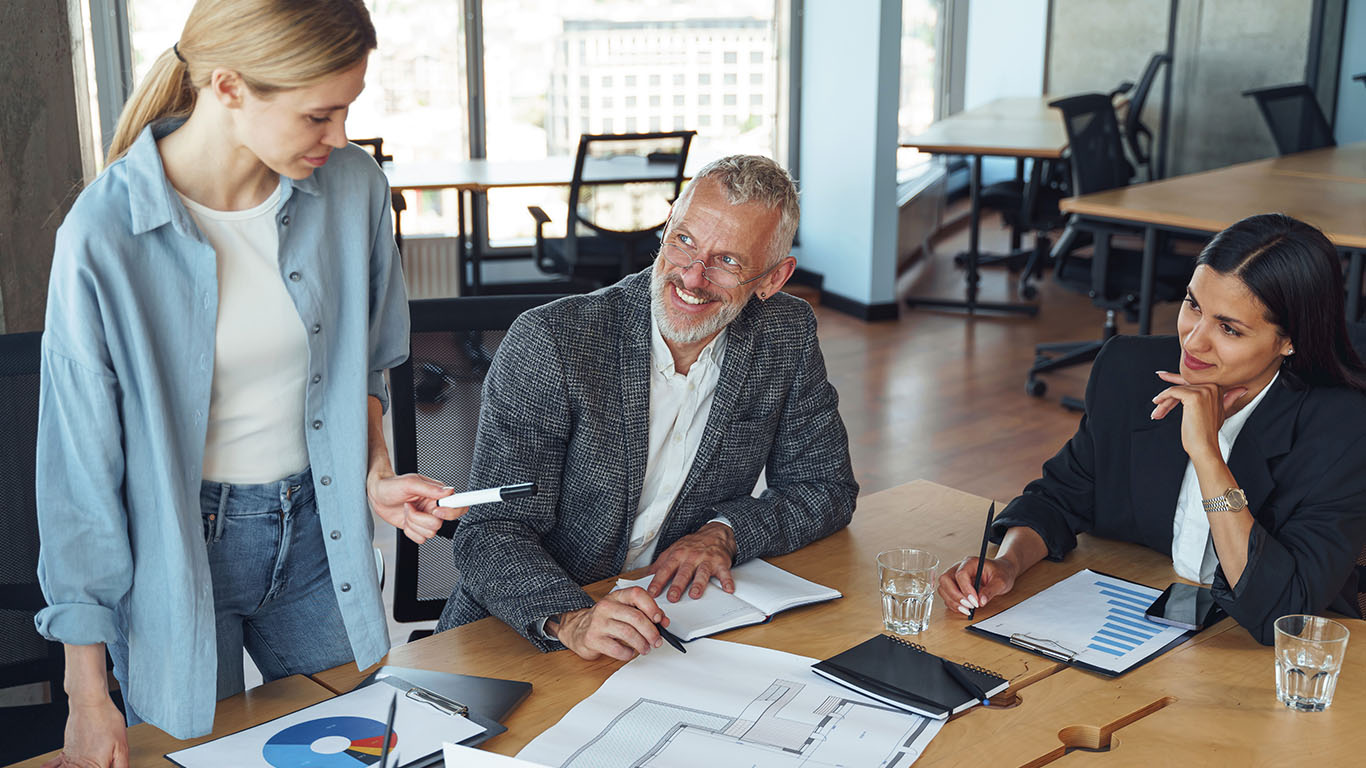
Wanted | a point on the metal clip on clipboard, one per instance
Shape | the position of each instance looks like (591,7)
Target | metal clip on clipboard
(426,696)
(1045,646)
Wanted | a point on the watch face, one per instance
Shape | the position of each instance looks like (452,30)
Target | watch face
(1236,498)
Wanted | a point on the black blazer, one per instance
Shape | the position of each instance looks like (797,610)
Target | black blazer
(1301,458)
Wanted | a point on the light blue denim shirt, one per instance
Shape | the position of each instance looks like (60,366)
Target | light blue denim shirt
(126,374)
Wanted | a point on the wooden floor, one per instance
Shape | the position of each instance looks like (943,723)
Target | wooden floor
(939,395)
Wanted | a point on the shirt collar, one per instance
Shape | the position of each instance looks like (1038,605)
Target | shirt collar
(1234,424)
(154,202)
(663,360)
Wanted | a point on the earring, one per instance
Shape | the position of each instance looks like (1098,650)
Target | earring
(762,296)
(1290,352)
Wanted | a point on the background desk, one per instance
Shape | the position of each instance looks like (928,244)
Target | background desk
(1013,127)
(1325,187)
(476,177)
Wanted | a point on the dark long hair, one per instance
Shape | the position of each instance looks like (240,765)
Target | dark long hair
(1297,275)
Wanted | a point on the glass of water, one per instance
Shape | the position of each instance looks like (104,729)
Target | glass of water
(1309,651)
(907,579)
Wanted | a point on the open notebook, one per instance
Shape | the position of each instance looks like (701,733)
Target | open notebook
(761,590)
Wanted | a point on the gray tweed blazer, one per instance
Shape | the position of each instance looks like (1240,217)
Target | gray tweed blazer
(566,404)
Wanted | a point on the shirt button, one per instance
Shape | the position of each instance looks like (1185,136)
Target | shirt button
(285,221)
(198,415)
(317,377)
(678,438)
(346,587)
(208,298)
(317,424)
(295,276)
(317,328)
(335,535)
(326,480)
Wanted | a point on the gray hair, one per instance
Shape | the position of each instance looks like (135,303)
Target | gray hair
(753,178)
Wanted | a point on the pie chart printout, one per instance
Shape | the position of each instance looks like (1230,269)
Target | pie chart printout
(328,742)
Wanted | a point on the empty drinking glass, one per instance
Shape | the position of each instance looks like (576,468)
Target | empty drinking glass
(1309,651)
(907,579)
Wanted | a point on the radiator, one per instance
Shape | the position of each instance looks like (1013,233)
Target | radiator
(431,266)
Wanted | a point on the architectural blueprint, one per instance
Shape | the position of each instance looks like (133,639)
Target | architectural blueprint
(727,705)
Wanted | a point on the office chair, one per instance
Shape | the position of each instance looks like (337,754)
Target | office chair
(436,396)
(1111,276)
(1138,139)
(376,146)
(25,657)
(619,200)
(1293,115)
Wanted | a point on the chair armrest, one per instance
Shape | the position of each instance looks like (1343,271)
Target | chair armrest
(1122,88)
(539,215)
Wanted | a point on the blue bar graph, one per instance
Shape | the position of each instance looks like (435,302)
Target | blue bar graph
(1126,627)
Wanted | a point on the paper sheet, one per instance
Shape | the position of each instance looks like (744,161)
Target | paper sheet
(727,705)
(457,756)
(1099,618)
(342,732)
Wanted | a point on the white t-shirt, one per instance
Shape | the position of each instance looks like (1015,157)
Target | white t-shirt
(260,367)
(1192,547)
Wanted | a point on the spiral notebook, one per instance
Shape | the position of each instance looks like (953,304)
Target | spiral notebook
(907,676)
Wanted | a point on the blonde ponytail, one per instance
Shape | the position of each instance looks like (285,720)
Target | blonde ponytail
(166,91)
(273,45)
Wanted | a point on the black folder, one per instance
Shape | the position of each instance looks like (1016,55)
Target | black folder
(907,676)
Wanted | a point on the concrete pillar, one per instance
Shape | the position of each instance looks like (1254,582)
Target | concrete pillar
(850,73)
(42,163)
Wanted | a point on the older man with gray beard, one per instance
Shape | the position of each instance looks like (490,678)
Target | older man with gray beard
(646,412)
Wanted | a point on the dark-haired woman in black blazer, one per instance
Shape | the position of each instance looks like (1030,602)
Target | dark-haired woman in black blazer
(1237,446)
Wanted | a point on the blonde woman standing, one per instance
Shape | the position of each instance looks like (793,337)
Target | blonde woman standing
(224,300)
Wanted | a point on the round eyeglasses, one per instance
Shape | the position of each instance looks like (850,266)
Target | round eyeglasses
(719,276)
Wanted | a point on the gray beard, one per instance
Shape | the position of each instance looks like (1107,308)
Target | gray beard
(688,334)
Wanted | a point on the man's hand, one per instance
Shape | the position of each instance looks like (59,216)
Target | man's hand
(620,626)
(409,502)
(96,736)
(695,558)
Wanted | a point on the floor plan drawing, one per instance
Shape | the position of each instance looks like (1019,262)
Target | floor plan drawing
(723,711)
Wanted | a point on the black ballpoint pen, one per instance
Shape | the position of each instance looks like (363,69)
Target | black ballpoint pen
(670,638)
(982,557)
(961,677)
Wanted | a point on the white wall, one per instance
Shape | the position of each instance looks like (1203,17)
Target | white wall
(1351,117)
(850,72)
(1005,54)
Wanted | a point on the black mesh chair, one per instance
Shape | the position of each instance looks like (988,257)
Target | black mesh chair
(25,657)
(376,147)
(436,396)
(1112,277)
(619,200)
(1138,138)
(1293,114)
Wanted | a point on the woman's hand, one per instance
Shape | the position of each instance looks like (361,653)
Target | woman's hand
(955,584)
(1203,412)
(409,502)
(96,736)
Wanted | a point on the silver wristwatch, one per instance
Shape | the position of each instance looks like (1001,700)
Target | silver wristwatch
(1232,500)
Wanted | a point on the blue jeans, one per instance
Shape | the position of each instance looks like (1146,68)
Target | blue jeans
(272,591)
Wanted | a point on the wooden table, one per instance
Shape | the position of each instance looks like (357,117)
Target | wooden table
(1325,187)
(147,744)
(1222,666)
(472,178)
(1211,701)
(1010,127)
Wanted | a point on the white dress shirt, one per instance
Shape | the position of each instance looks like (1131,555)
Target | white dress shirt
(679,406)
(1192,547)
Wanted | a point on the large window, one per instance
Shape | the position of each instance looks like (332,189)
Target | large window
(551,71)
(921,72)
